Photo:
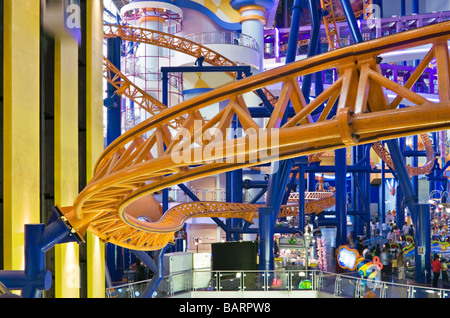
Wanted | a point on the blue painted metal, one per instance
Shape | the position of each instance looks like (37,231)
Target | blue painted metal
(258,196)
(236,186)
(293,34)
(39,238)
(422,241)
(403,8)
(301,198)
(415,6)
(382,195)
(115,261)
(314,48)
(361,188)
(410,197)
(290,186)
(341,196)
(146,259)
(158,274)
(113,102)
(280,171)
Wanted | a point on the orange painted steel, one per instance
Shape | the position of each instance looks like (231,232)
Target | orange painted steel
(412,171)
(334,42)
(173,220)
(136,165)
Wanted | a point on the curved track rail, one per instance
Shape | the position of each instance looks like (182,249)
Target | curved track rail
(330,22)
(136,165)
(173,42)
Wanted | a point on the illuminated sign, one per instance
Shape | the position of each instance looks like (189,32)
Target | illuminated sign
(347,257)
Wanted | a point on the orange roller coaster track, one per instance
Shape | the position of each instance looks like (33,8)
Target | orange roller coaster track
(173,42)
(135,166)
(330,21)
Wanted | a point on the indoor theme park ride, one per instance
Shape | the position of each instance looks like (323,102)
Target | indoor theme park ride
(128,172)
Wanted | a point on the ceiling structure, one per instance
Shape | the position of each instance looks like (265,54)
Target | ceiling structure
(121,3)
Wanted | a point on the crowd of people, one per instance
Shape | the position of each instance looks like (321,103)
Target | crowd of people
(389,228)
(393,261)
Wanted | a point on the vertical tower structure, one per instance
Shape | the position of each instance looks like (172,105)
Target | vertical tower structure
(253,20)
(142,62)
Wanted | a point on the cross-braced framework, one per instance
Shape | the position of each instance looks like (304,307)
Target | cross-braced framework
(137,164)
(173,42)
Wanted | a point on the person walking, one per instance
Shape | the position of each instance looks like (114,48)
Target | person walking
(436,268)
(386,260)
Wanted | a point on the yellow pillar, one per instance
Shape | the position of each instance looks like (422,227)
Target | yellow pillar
(94,135)
(21,125)
(67,273)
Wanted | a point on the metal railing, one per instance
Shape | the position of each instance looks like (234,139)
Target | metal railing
(344,286)
(223,37)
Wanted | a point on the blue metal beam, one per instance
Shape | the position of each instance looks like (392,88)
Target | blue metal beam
(403,177)
(341,196)
(351,20)
(314,48)
(113,101)
(266,230)
(39,238)
(422,241)
(279,170)
(301,195)
(158,274)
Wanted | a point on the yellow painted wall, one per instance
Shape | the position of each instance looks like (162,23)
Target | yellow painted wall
(67,278)
(94,133)
(21,125)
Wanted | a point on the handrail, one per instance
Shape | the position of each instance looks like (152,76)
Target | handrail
(316,277)
(223,37)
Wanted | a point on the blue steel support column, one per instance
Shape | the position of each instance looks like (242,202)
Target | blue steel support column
(236,185)
(39,238)
(382,194)
(422,241)
(113,101)
(146,259)
(114,255)
(403,177)
(357,193)
(301,195)
(313,45)
(399,207)
(266,230)
(35,262)
(403,8)
(415,6)
(341,236)
(341,196)
(165,101)
(236,189)
(293,35)
(158,276)
(351,20)
(367,185)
